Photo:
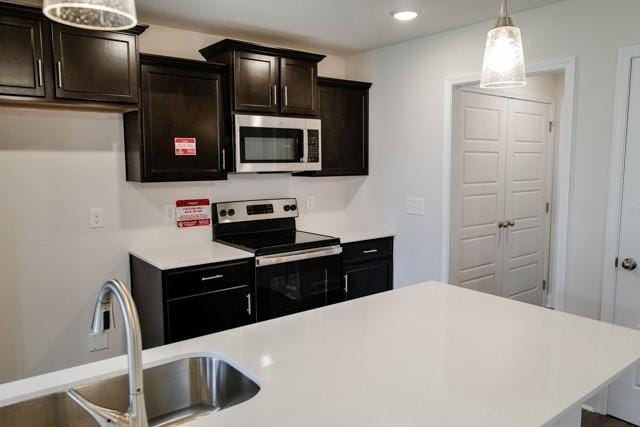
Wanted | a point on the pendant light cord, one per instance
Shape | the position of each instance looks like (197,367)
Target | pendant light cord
(504,12)
(504,20)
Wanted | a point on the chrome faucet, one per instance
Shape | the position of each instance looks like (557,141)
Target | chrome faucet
(136,416)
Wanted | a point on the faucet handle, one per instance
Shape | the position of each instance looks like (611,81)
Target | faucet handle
(104,417)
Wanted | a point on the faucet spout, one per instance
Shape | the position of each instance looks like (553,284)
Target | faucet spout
(137,414)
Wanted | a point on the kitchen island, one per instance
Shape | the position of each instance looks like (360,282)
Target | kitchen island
(426,355)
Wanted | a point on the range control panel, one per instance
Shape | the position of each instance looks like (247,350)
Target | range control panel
(253,210)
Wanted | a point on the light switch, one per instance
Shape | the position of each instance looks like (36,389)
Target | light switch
(415,206)
(96,218)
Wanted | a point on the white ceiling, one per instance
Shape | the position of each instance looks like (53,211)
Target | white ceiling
(332,26)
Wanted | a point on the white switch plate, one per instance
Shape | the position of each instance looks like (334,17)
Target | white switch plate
(98,342)
(415,206)
(169,214)
(96,218)
(311,202)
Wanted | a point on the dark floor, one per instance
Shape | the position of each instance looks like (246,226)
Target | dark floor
(591,419)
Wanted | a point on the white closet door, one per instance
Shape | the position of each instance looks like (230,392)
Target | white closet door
(478,183)
(525,240)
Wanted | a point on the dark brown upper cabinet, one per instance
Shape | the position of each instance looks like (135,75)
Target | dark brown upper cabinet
(179,133)
(268,80)
(44,63)
(95,65)
(344,111)
(21,56)
(299,83)
(256,82)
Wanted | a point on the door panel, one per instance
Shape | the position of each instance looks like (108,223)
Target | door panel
(21,56)
(525,201)
(624,394)
(478,165)
(298,80)
(361,280)
(95,65)
(256,82)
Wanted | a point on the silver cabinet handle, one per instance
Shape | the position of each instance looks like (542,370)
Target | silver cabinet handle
(629,264)
(370,251)
(286,96)
(275,94)
(59,74)
(346,284)
(249,304)
(217,276)
(40,83)
(224,159)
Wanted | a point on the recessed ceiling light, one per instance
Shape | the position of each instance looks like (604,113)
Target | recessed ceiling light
(404,15)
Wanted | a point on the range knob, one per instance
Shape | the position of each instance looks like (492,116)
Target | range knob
(232,212)
(286,208)
(223,213)
(293,207)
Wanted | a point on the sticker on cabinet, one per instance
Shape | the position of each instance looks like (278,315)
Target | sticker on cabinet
(185,146)
(193,213)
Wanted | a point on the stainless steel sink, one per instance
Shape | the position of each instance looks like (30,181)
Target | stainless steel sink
(174,393)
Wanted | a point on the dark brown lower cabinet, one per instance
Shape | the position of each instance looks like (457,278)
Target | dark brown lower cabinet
(367,267)
(180,304)
(179,134)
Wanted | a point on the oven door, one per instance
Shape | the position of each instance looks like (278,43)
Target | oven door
(297,281)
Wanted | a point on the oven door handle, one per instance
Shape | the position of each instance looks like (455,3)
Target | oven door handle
(266,260)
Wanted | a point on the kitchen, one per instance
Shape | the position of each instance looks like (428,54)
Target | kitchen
(76,162)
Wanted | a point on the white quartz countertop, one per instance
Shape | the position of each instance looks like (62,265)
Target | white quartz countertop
(349,233)
(426,355)
(182,255)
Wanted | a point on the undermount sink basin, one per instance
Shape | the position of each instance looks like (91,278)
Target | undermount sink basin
(174,393)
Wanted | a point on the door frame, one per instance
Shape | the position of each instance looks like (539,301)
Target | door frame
(562,180)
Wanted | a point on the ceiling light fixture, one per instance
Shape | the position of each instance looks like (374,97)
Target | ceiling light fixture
(404,15)
(112,15)
(503,65)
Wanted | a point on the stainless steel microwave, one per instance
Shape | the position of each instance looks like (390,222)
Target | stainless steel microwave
(277,144)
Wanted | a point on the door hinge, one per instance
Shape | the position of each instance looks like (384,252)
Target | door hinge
(615,263)
(550,126)
(544,285)
(548,207)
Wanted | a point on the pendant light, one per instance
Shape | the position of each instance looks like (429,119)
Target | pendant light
(503,65)
(113,15)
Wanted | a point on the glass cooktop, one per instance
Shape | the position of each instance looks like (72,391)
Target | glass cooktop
(279,241)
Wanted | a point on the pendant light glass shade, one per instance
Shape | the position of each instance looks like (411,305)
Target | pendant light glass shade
(504,65)
(110,15)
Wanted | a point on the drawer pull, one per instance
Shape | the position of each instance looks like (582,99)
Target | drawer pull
(217,276)
(370,251)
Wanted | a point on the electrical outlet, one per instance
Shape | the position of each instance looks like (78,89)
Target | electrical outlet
(415,206)
(311,202)
(169,214)
(98,342)
(96,218)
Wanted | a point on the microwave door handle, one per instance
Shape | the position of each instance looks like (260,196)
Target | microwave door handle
(301,147)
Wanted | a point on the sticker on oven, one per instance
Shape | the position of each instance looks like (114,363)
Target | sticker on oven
(185,146)
(193,213)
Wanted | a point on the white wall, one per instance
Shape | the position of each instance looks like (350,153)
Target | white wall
(54,166)
(407,130)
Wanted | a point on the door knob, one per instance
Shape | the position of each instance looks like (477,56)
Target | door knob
(502,224)
(511,223)
(629,264)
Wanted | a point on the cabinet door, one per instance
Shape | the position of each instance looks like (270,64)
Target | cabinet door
(95,65)
(345,131)
(208,313)
(255,82)
(298,80)
(21,56)
(371,278)
(182,108)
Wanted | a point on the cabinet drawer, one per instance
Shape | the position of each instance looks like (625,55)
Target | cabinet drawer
(208,278)
(367,250)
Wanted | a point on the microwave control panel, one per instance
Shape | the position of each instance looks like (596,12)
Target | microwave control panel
(314,146)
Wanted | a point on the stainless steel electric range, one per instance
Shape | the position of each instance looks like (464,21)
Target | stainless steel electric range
(295,270)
